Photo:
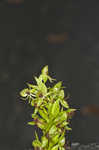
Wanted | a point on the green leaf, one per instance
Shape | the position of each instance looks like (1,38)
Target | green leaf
(55,138)
(43,115)
(49,106)
(62,148)
(38,81)
(55,147)
(43,88)
(32,102)
(31,86)
(44,77)
(31,123)
(44,141)
(45,70)
(61,94)
(45,111)
(55,108)
(35,111)
(24,92)
(63,124)
(39,102)
(70,110)
(51,79)
(33,92)
(62,117)
(41,123)
(64,103)
(53,130)
(58,86)
(68,128)
(62,141)
(36,143)
(36,136)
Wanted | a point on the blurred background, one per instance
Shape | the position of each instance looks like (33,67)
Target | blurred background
(63,34)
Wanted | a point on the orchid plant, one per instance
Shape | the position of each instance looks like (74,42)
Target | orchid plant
(51,112)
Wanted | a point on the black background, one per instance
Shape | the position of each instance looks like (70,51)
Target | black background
(24,50)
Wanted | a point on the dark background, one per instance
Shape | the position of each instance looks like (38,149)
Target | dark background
(25,28)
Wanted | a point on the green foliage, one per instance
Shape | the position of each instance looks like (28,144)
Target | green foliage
(51,112)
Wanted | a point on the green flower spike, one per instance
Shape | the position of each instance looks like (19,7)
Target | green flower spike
(51,112)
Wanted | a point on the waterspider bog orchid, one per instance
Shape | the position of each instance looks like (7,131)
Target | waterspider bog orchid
(51,112)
